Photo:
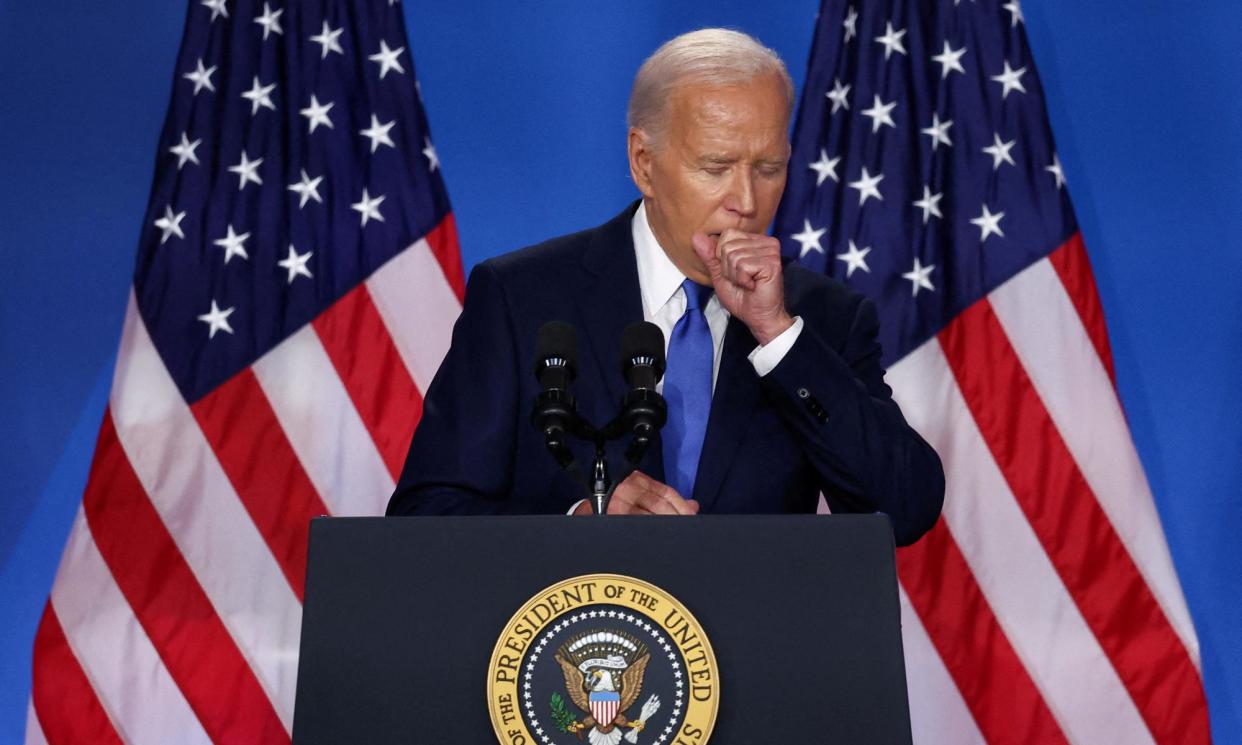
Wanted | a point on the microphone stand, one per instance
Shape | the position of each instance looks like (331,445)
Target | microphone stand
(555,414)
(600,485)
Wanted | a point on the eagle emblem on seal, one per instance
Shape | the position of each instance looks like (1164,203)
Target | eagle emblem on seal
(603,672)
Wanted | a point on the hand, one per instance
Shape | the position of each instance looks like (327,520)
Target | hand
(639,494)
(745,270)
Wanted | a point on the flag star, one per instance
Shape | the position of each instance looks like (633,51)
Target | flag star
(201,77)
(185,151)
(329,40)
(270,21)
(850,23)
(246,171)
(307,189)
(296,263)
(880,114)
(259,95)
(171,224)
(939,132)
(988,224)
(1015,11)
(920,277)
(839,95)
(387,59)
(217,7)
(867,186)
(825,167)
(855,258)
(891,40)
(378,133)
(930,204)
(950,60)
(217,319)
(233,244)
(1000,151)
(429,150)
(1010,79)
(317,114)
(1055,170)
(809,238)
(368,207)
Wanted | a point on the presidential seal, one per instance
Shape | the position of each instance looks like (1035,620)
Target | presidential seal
(602,659)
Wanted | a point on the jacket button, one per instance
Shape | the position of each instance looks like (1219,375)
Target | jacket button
(803,393)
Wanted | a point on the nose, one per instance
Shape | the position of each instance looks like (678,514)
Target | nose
(740,198)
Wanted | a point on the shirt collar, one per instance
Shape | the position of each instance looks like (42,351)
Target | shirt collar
(658,277)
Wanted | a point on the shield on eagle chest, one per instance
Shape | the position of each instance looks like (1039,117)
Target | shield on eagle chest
(604,706)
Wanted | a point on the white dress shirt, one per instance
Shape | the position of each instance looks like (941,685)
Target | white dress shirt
(664,302)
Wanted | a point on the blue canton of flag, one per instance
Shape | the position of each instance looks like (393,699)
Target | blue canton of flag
(923,171)
(296,161)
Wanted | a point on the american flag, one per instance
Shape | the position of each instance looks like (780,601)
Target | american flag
(296,282)
(1043,607)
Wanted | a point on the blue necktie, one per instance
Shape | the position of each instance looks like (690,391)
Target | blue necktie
(688,391)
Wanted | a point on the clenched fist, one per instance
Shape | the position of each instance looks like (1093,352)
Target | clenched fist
(745,270)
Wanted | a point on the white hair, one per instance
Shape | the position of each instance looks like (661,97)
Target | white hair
(709,56)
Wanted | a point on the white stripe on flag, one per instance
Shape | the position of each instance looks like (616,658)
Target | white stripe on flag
(1028,598)
(938,713)
(196,502)
(129,678)
(34,733)
(1048,336)
(323,427)
(419,308)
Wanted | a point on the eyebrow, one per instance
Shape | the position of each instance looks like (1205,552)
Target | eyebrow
(727,159)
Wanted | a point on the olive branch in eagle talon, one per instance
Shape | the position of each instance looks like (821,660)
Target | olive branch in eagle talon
(604,676)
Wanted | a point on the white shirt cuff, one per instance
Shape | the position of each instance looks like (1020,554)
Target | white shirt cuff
(574,509)
(765,358)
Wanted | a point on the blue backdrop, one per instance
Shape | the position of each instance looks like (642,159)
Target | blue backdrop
(527,108)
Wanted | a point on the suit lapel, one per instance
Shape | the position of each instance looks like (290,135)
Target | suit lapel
(737,393)
(609,299)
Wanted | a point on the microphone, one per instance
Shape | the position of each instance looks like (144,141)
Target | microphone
(556,365)
(643,410)
(556,355)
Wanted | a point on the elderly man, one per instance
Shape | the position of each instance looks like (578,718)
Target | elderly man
(774,384)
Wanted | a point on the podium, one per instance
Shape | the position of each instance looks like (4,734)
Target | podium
(406,622)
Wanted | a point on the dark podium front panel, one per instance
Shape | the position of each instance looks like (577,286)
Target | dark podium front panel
(402,615)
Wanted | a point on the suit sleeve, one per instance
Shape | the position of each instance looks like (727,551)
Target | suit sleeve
(867,457)
(461,457)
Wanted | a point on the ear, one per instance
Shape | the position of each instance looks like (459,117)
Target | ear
(640,160)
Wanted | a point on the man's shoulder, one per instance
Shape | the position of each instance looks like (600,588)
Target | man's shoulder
(562,253)
(805,289)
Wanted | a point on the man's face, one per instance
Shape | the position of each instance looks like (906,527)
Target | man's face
(721,165)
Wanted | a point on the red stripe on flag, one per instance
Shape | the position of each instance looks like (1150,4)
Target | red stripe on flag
(168,601)
(250,443)
(1074,268)
(1074,531)
(445,247)
(69,711)
(1002,698)
(363,353)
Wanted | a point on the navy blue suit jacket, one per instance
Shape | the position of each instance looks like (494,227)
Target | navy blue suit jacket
(822,420)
